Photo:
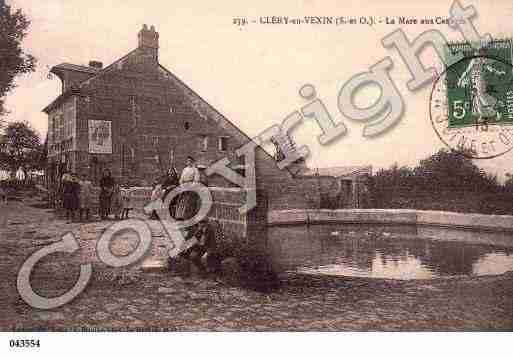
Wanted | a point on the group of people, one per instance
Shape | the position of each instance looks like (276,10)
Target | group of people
(77,197)
(202,252)
(77,192)
(183,206)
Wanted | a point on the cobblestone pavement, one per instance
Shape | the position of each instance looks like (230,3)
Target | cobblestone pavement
(129,299)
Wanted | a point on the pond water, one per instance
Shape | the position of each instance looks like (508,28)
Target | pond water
(366,254)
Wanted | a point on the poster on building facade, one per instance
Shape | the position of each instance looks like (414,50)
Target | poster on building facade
(100,136)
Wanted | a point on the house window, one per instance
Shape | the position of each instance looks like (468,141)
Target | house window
(222,144)
(135,111)
(203,143)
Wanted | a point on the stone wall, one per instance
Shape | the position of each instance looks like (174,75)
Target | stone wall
(474,228)
(283,190)
(225,210)
(226,202)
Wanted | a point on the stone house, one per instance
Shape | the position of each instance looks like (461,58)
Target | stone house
(137,118)
(341,186)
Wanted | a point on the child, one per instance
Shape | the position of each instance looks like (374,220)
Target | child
(125,201)
(116,201)
(156,196)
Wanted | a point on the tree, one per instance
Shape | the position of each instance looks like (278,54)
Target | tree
(446,180)
(20,147)
(13,60)
(448,169)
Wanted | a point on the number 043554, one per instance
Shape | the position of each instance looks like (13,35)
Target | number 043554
(24,343)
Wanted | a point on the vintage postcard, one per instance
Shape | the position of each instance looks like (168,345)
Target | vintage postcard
(294,166)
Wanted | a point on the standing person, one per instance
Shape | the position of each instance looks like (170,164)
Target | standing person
(75,194)
(85,196)
(106,188)
(116,203)
(125,201)
(156,196)
(186,207)
(63,190)
(70,195)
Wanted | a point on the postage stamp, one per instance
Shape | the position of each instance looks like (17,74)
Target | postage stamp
(471,103)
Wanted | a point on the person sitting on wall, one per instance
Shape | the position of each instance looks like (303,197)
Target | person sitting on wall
(170,181)
(187,203)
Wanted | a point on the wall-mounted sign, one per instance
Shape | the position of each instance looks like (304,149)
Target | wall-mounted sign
(100,136)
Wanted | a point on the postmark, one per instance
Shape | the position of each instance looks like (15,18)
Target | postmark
(471,102)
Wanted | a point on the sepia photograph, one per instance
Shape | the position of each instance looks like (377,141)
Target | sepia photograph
(233,168)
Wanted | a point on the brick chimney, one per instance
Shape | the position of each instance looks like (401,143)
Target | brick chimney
(96,64)
(149,41)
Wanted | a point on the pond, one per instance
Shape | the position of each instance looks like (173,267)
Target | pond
(333,250)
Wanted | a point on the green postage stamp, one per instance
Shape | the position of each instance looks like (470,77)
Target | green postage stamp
(478,87)
(471,104)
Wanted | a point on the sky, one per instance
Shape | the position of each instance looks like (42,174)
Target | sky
(252,74)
